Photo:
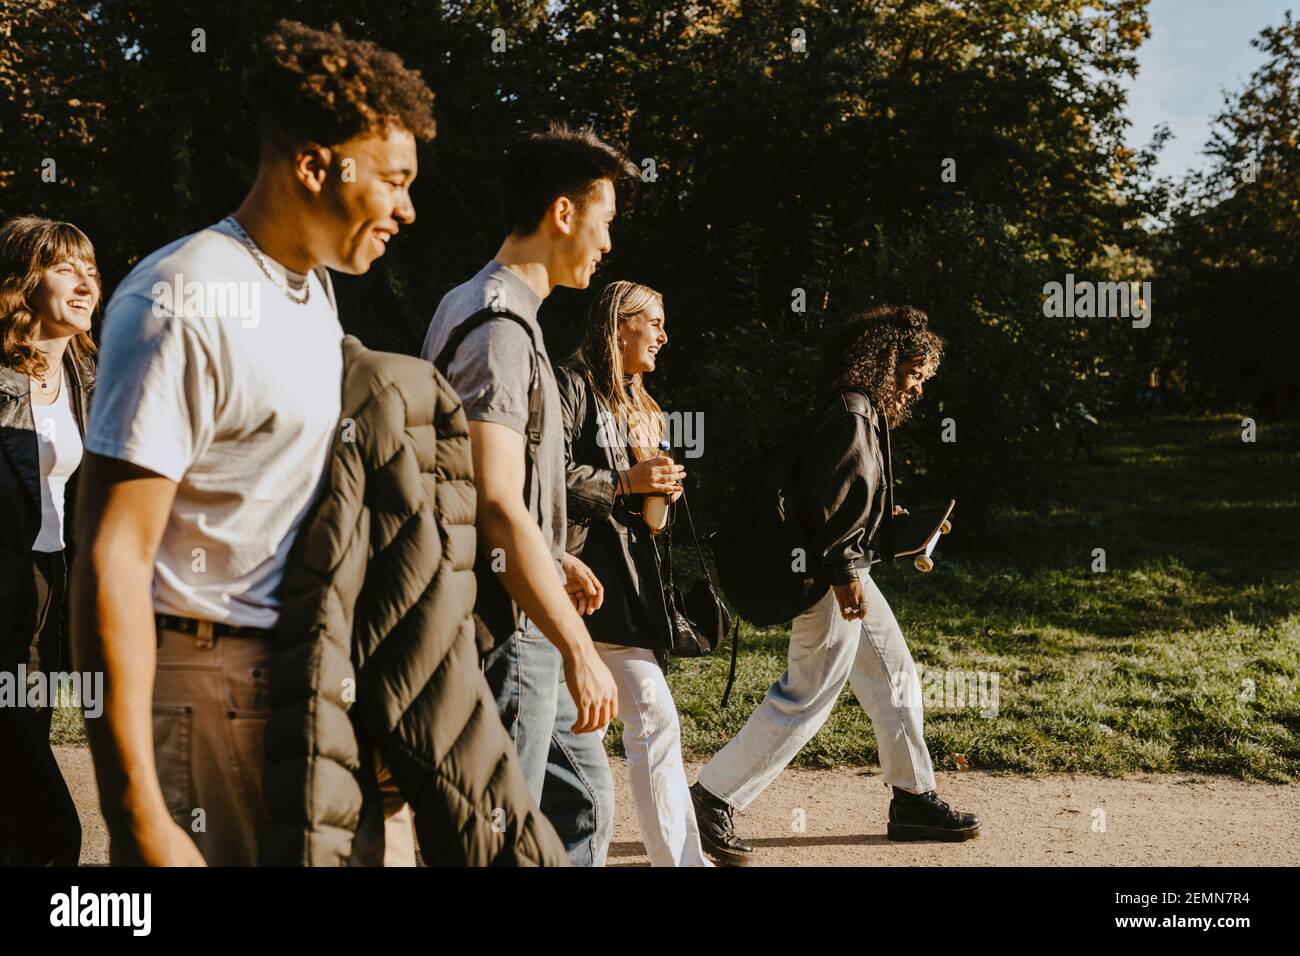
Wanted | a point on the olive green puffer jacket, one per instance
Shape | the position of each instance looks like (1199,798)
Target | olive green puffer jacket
(374,650)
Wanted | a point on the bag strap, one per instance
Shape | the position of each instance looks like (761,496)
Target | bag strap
(535,396)
(704,567)
(668,543)
(731,675)
(690,522)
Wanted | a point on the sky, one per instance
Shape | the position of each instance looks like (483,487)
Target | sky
(1197,50)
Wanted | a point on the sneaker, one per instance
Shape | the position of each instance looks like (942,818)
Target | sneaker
(923,816)
(718,830)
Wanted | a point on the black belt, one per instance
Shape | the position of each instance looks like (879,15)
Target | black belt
(190,625)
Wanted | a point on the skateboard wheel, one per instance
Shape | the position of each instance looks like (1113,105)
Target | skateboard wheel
(945,527)
(923,564)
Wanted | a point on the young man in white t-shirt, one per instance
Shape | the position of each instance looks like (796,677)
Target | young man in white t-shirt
(218,394)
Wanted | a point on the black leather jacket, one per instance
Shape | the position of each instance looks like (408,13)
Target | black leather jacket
(845,480)
(613,541)
(20,473)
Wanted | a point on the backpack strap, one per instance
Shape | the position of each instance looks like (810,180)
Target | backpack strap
(841,396)
(887,519)
(535,397)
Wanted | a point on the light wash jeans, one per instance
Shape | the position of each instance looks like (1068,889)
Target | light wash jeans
(652,739)
(568,774)
(825,651)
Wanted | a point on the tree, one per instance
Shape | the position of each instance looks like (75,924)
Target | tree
(1232,251)
(787,145)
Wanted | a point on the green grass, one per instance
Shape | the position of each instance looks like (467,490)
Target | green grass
(1149,666)
(67,727)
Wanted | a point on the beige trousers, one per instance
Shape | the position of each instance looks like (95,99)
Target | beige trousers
(210,707)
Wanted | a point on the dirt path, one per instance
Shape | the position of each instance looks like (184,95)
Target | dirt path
(1164,820)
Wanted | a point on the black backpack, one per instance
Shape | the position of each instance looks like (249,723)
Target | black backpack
(761,548)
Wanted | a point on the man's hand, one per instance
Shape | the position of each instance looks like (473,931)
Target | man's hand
(899,510)
(852,600)
(160,842)
(122,512)
(583,587)
(593,690)
(529,575)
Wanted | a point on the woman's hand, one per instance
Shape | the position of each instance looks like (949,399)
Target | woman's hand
(581,584)
(852,600)
(658,475)
(899,510)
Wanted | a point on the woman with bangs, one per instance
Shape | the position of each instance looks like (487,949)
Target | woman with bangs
(49,294)
(612,430)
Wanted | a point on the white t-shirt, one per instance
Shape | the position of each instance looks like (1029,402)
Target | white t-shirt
(58,441)
(210,376)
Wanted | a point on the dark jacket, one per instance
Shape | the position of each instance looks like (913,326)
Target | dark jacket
(20,472)
(845,480)
(374,649)
(615,543)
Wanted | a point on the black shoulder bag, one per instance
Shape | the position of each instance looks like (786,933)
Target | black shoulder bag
(697,624)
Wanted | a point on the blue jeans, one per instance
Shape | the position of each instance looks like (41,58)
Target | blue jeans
(568,774)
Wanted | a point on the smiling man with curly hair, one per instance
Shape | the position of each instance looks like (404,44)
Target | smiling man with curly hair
(219,391)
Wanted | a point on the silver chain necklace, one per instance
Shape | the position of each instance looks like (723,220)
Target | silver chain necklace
(297,298)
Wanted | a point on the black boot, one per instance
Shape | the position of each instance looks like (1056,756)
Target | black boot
(717,831)
(923,816)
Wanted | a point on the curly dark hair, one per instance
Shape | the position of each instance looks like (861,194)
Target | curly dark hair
(324,87)
(865,353)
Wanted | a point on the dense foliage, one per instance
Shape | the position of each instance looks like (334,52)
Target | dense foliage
(954,155)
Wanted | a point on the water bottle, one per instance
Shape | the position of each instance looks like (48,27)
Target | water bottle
(655,508)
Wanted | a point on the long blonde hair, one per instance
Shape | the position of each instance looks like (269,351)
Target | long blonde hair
(29,245)
(632,408)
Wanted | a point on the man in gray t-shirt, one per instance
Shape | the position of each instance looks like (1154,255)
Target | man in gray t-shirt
(491,371)
(554,693)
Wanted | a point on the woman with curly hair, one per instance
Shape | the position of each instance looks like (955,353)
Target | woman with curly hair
(49,293)
(874,367)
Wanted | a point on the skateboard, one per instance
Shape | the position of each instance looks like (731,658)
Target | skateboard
(917,534)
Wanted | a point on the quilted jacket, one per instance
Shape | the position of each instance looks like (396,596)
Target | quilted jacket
(374,652)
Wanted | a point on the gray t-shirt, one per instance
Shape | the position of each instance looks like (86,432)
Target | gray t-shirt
(491,372)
